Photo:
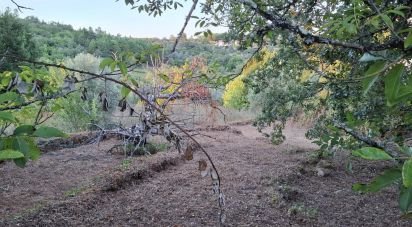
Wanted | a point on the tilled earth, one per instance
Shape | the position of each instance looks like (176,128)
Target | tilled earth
(264,185)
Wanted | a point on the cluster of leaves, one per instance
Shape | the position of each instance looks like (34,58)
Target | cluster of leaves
(154,8)
(358,54)
(279,92)
(236,93)
(368,91)
(19,93)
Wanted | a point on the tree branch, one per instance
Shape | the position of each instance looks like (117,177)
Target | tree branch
(50,97)
(189,15)
(384,145)
(359,136)
(20,7)
(309,38)
(152,105)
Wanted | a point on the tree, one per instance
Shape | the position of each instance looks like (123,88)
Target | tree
(17,40)
(357,53)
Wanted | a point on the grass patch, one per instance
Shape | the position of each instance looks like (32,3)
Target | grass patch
(125,165)
(74,191)
(301,209)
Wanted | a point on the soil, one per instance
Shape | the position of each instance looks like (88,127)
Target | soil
(264,185)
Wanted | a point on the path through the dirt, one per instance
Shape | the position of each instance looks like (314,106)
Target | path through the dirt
(264,185)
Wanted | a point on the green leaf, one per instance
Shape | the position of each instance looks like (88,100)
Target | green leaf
(123,68)
(408,40)
(20,162)
(56,107)
(134,82)
(10,154)
(24,130)
(8,96)
(375,68)
(386,179)
(359,187)
(405,199)
(6,116)
(407,173)
(131,2)
(165,78)
(48,132)
(374,21)
(368,82)
(392,83)
(105,62)
(351,28)
(113,65)
(124,92)
(397,12)
(371,153)
(27,146)
(34,152)
(387,20)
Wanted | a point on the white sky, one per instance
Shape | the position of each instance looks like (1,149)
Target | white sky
(113,17)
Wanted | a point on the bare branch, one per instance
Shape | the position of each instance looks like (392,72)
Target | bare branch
(189,15)
(20,7)
(38,116)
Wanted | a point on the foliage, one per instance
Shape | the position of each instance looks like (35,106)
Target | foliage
(58,41)
(236,92)
(77,112)
(348,61)
(77,115)
(18,127)
(363,90)
(359,52)
(15,39)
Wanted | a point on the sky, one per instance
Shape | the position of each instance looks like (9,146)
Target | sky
(111,16)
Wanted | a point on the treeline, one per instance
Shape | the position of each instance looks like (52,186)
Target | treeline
(59,41)
(52,41)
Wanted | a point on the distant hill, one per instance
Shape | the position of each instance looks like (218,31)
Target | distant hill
(56,41)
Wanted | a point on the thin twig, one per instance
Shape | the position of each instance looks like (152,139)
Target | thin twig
(38,116)
(20,7)
(53,96)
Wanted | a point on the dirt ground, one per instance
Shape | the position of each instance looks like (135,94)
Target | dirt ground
(264,185)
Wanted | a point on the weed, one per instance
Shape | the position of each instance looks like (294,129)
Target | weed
(28,211)
(126,164)
(275,198)
(74,191)
(315,156)
(301,209)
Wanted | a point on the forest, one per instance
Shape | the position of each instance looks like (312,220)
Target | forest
(300,114)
